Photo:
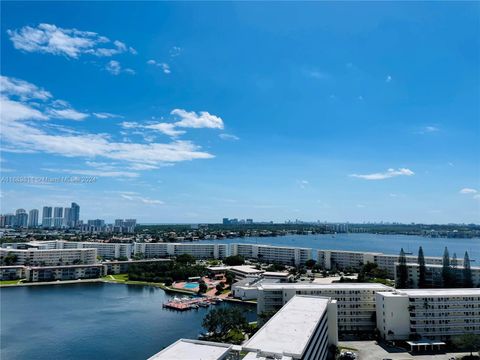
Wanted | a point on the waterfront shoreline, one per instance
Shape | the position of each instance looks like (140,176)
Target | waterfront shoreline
(112,281)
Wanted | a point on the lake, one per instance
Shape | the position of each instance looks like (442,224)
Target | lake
(388,244)
(93,321)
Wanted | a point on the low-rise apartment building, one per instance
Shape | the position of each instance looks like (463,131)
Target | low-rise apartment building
(435,314)
(199,251)
(342,259)
(355,301)
(293,256)
(36,257)
(434,275)
(105,250)
(121,267)
(68,272)
(13,272)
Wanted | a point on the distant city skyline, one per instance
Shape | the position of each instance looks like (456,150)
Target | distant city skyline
(243,110)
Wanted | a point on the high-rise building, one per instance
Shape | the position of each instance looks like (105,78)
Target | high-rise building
(21,218)
(119,222)
(67,217)
(58,217)
(75,214)
(47,220)
(10,220)
(33,218)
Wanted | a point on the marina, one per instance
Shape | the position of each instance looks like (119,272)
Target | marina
(189,303)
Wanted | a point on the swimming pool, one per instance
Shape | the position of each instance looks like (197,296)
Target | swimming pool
(190,285)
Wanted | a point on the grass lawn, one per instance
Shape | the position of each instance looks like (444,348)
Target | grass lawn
(117,277)
(10,282)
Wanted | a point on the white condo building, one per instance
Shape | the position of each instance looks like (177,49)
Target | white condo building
(434,314)
(194,349)
(52,257)
(104,250)
(355,301)
(199,251)
(434,276)
(303,329)
(341,259)
(293,256)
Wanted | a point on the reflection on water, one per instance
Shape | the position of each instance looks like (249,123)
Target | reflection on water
(93,321)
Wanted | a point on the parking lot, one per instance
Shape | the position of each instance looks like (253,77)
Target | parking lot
(370,350)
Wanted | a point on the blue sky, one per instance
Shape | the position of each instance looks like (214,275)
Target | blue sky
(190,112)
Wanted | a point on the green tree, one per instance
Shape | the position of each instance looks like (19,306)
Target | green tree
(202,287)
(234,260)
(402,271)
(10,259)
(186,259)
(467,272)
(310,263)
(468,341)
(230,277)
(446,269)
(421,269)
(222,320)
(454,262)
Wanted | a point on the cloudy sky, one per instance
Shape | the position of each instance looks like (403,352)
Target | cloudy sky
(192,112)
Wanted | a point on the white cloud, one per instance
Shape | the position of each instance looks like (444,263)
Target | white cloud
(316,74)
(388,78)
(22,89)
(228,137)
(431,129)
(164,66)
(175,51)
(303,184)
(166,128)
(141,199)
(390,173)
(21,136)
(129,124)
(190,119)
(105,115)
(26,93)
(468,191)
(98,173)
(68,113)
(50,39)
(114,68)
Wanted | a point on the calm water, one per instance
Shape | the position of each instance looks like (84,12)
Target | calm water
(92,321)
(388,244)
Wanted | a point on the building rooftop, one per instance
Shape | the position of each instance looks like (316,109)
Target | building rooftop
(336,286)
(275,247)
(354,252)
(432,292)
(460,267)
(247,269)
(289,331)
(193,349)
(276,273)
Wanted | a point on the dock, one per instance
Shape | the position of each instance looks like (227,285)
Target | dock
(185,303)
